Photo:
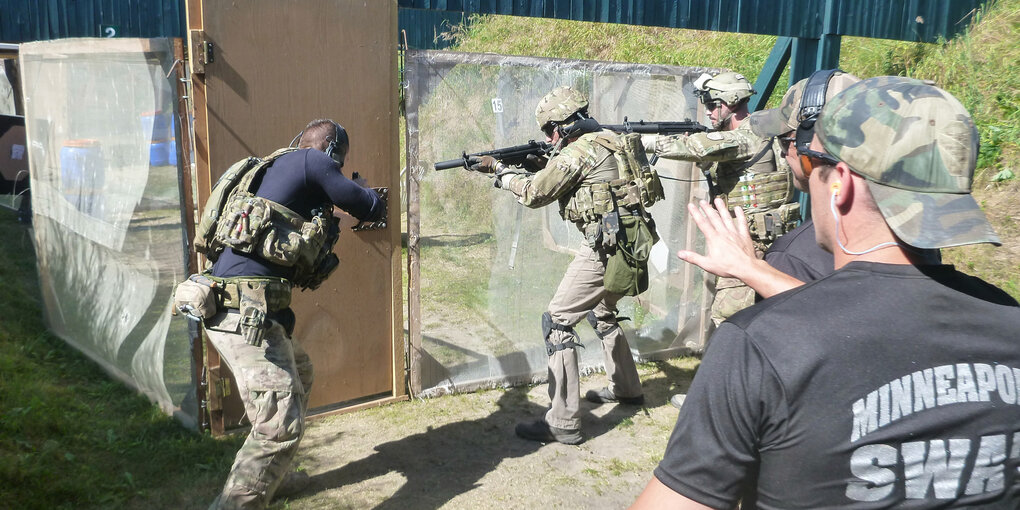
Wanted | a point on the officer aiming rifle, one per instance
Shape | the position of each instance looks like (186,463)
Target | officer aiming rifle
(533,155)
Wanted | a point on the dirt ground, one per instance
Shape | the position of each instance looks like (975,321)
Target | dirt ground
(460,451)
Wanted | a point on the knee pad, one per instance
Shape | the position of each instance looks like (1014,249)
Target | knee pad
(547,328)
(594,321)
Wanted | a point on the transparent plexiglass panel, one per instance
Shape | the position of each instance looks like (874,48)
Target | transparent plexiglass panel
(486,267)
(107,209)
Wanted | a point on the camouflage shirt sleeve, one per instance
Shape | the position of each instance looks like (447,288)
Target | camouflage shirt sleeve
(560,176)
(734,145)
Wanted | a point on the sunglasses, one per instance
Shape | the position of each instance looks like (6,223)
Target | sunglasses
(549,129)
(810,159)
(706,99)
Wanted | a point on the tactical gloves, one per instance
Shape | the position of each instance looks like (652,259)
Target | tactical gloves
(533,163)
(483,164)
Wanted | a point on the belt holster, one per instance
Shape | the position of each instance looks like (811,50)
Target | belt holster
(253,311)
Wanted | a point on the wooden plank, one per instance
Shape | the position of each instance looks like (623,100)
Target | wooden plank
(362,406)
(183,147)
(214,420)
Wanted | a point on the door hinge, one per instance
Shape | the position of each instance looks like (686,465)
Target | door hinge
(201,51)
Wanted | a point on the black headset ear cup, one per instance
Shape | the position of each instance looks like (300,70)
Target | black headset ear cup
(805,132)
(337,148)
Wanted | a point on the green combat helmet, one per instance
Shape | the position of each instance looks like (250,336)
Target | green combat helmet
(728,87)
(558,105)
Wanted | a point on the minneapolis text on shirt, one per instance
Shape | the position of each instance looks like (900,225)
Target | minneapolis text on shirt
(934,468)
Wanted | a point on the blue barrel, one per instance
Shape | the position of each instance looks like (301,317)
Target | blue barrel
(159,152)
(172,156)
(83,174)
(157,124)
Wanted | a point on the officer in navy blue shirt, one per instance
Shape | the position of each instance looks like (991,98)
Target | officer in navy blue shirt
(302,181)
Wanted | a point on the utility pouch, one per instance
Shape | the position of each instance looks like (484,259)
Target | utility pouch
(610,227)
(765,227)
(253,311)
(243,221)
(195,298)
(627,265)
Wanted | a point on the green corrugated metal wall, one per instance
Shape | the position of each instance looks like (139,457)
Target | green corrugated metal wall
(916,20)
(34,20)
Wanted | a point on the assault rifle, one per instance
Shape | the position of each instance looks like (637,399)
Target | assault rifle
(509,156)
(659,127)
(518,154)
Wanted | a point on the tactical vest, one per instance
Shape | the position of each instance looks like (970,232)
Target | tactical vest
(763,187)
(234,217)
(637,187)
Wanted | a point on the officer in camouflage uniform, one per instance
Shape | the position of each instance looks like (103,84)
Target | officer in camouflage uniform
(244,298)
(580,177)
(742,168)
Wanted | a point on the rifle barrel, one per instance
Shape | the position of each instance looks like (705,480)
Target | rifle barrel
(446,165)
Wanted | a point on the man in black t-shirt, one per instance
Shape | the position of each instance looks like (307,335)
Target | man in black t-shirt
(797,254)
(890,382)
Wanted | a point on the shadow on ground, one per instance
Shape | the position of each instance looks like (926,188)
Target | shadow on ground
(445,462)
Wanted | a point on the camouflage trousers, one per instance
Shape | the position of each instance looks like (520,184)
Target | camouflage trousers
(731,296)
(580,291)
(274,380)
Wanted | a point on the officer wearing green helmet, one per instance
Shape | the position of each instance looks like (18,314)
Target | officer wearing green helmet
(743,170)
(603,184)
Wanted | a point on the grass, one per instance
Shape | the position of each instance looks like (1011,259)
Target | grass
(71,437)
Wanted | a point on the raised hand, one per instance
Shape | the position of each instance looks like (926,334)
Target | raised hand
(729,251)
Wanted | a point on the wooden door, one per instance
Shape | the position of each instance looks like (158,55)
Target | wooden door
(262,69)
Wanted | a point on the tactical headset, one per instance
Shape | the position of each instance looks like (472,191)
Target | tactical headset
(570,126)
(811,104)
(338,144)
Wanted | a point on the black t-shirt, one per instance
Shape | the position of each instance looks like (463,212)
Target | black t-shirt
(302,181)
(879,385)
(797,254)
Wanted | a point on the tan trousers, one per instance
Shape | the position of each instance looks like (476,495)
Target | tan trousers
(580,291)
(274,380)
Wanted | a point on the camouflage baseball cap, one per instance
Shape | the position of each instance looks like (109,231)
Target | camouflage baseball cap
(559,105)
(917,147)
(785,118)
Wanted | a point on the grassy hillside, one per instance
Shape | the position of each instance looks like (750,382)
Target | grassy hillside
(978,67)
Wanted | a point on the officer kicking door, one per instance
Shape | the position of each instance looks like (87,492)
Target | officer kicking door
(260,72)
